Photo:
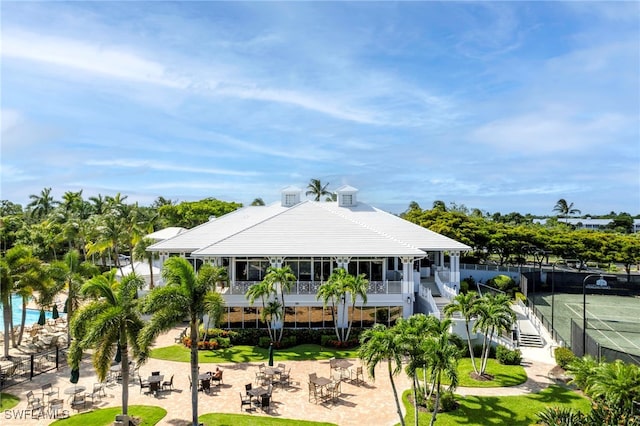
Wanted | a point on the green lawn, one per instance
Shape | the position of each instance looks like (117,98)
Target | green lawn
(216,419)
(503,410)
(503,375)
(105,416)
(244,353)
(8,401)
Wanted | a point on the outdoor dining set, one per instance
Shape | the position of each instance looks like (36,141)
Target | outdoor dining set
(324,389)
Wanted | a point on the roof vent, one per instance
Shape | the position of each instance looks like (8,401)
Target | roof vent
(347,196)
(290,196)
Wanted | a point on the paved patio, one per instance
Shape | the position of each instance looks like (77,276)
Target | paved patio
(371,403)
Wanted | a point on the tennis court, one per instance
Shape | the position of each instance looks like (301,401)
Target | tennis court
(613,321)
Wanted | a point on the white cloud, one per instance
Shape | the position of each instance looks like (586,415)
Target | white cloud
(160,166)
(110,61)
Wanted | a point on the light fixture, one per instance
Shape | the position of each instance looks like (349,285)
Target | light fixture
(409,300)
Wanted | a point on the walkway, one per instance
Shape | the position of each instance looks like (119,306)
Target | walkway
(371,403)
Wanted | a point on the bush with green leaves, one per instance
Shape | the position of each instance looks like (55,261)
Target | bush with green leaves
(504,283)
(507,356)
(563,356)
(552,416)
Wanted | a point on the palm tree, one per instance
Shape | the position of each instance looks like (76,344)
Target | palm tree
(70,274)
(317,189)
(184,294)
(378,344)
(331,292)
(494,316)
(442,358)
(264,291)
(112,319)
(357,286)
(466,305)
(19,271)
(140,252)
(43,204)
(257,202)
(282,280)
(214,308)
(564,208)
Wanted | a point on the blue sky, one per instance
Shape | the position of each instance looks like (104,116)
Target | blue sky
(505,106)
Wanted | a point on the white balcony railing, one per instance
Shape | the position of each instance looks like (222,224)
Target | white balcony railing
(311,287)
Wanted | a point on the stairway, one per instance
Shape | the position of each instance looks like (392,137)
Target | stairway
(530,340)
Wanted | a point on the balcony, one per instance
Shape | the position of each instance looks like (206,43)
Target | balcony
(311,287)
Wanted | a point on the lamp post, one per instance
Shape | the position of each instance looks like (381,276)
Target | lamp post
(584,311)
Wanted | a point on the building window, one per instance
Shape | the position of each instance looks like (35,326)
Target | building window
(290,199)
(347,199)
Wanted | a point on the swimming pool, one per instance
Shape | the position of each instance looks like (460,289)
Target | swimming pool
(32,314)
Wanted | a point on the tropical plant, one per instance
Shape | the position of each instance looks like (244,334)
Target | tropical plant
(564,208)
(281,280)
(379,344)
(465,304)
(43,204)
(333,293)
(140,252)
(214,307)
(494,317)
(581,370)
(553,416)
(317,189)
(257,202)
(70,274)
(183,295)
(617,384)
(112,319)
(264,291)
(442,359)
(20,272)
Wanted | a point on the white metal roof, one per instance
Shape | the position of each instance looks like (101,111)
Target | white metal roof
(166,233)
(310,229)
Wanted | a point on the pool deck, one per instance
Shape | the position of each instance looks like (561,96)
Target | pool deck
(370,403)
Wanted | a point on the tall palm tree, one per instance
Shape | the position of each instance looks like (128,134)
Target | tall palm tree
(183,295)
(214,307)
(317,189)
(263,290)
(112,319)
(70,274)
(564,208)
(140,252)
(357,287)
(465,304)
(442,358)
(379,344)
(494,316)
(282,280)
(43,204)
(331,292)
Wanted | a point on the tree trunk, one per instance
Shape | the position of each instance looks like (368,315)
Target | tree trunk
(415,398)
(435,406)
(473,360)
(194,370)
(395,393)
(23,320)
(124,352)
(6,316)
(151,285)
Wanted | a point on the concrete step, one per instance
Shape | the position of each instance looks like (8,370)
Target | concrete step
(531,340)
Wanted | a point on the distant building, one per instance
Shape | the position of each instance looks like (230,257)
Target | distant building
(314,238)
(588,223)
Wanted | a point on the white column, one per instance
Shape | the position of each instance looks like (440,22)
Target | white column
(455,270)
(407,286)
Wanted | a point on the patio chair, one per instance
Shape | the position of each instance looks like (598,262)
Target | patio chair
(314,393)
(155,373)
(245,400)
(191,385)
(33,402)
(217,377)
(98,391)
(312,377)
(206,385)
(285,378)
(266,403)
(143,383)
(260,377)
(168,384)
(247,388)
(332,391)
(79,400)
(154,388)
(357,375)
(48,391)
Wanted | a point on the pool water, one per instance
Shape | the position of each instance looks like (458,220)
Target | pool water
(32,314)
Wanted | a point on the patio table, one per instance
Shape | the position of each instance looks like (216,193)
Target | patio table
(257,392)
(321,381)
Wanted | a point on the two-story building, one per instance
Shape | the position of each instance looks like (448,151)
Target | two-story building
(314,238)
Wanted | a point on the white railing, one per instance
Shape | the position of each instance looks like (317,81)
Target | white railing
(311,287)
(442,281)
(433,307)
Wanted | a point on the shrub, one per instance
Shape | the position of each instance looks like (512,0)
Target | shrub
(477,351)
(264,342)
(507,356)
(551,416)
(504,283)
(563,356)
